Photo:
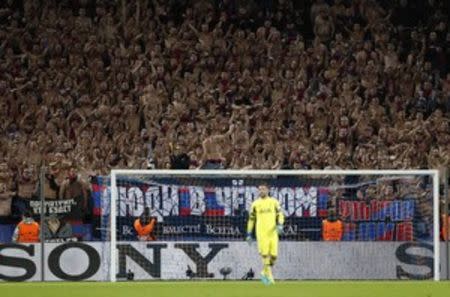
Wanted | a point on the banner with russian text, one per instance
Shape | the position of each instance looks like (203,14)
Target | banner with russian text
(217,208)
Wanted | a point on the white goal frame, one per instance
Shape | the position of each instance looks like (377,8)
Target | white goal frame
(114,196)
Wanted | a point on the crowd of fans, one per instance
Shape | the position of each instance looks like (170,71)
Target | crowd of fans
(96,85)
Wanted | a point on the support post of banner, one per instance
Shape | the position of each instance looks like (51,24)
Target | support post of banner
(436,233)
(446,213)
(42,219)
(113,232)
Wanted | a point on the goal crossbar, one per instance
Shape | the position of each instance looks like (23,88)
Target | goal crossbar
(272,172)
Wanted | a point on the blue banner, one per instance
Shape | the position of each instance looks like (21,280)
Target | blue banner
(200,208)
(209,209)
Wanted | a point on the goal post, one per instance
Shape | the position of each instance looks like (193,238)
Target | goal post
(113,226)
(325,179)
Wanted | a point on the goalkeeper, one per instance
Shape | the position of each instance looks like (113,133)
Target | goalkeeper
(269,219)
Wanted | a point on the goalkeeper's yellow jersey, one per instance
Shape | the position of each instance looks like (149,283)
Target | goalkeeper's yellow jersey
(266,212)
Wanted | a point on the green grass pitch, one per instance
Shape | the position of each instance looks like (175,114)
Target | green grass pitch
(229,289)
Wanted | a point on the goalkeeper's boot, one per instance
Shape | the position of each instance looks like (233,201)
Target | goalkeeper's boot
(264,278)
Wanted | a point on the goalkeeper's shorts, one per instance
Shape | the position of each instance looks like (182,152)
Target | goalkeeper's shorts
(268,246)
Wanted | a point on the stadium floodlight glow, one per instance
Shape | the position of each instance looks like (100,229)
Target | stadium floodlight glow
(201,177)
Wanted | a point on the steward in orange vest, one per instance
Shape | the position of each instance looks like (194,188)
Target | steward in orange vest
(144,227)
(332,228)
(27,231)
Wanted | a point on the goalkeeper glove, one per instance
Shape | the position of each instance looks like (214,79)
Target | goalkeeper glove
(249,238)
(280,229)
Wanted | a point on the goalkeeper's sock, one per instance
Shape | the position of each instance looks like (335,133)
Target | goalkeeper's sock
(266,270)
(269,272)
(266,262)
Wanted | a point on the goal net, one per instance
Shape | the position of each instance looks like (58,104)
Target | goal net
(166,224)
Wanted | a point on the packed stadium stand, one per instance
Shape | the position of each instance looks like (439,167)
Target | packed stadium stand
(87,86)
